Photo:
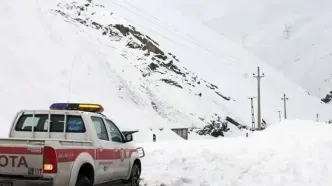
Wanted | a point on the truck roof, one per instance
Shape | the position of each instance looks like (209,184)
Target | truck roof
(73,108)
(58,111)
(61,112)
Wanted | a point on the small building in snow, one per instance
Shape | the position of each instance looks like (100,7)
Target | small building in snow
(181,131)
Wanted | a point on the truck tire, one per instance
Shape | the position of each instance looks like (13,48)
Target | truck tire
(83,181)
(134,178)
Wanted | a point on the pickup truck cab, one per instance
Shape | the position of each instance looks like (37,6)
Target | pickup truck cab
(90,151)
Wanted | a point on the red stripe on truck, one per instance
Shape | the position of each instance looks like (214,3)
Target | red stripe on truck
(69,155)
(21,150)
(105,154)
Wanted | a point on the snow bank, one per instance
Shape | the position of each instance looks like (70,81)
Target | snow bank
(195,136)
(289,153)
(166,134)
(146,134)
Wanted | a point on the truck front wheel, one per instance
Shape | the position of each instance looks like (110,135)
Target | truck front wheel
(134,176)
(83,181)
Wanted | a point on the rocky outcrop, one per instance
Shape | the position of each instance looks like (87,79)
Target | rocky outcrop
(155,64)
(327,98)
(216,126)
(164,63)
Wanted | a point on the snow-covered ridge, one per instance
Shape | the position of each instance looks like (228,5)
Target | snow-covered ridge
(154,60)
(156,65)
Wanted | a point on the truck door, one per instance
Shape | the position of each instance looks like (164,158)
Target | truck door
(104,155)
(121,160)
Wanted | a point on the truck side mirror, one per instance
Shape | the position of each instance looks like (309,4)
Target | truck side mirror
(129,137)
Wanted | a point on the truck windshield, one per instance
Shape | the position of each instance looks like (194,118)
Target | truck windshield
(75,124)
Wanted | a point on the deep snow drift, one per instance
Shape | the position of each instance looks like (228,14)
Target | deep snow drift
(145,75)
(290,153)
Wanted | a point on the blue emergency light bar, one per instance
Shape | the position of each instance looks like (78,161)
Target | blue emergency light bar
(88,107)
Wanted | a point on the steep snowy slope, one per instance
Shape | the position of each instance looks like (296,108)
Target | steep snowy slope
(293,36)
(144,75)
(221,55)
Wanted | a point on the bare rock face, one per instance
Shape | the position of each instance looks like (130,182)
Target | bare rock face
(327,98)
(216,126)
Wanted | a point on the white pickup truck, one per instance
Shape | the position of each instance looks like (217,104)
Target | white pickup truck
(91,151)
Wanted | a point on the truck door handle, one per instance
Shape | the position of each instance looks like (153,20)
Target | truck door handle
(100,148)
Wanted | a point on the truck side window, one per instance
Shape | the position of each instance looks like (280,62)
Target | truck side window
(100,128)
(75,124)
(115,133)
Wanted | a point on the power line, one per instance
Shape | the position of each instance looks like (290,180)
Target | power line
(198,45)
(161,22)
(146,27)
(163,27)
(154,32)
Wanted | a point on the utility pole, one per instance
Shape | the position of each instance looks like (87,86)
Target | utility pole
(279,115)
(317,115)
(285,99)
(287,31)
(259,76)
(252,112)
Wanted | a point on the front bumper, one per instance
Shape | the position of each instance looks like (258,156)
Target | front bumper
(24,182)
(140,152)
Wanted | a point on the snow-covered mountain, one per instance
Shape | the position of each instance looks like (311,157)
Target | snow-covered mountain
(292,36)
(145,62)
